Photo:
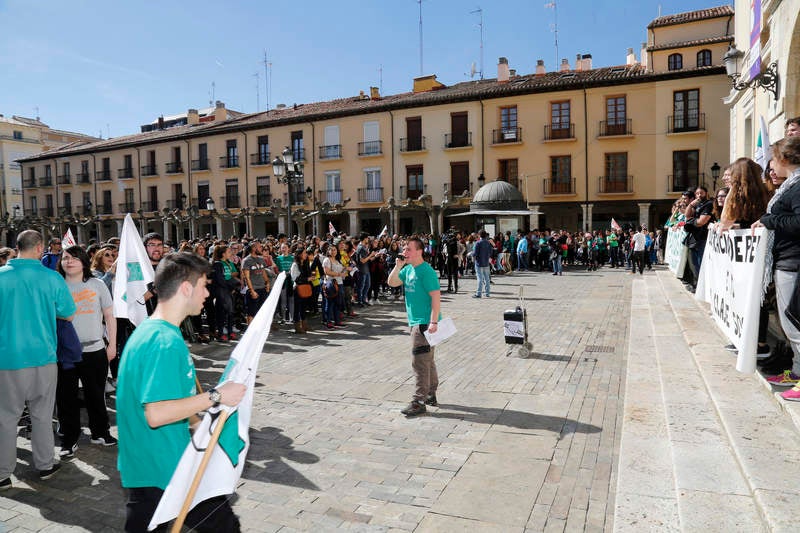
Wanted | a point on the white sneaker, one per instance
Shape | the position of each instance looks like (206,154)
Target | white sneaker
(110,386)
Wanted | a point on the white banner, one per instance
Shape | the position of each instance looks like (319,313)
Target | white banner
(730,280)
(134,272)
(68,240)
(676,253)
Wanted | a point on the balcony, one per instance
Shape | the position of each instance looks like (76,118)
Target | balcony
(63,179)
(412,144)
(199,164)
(105,209)
(615,128)
(332,196)
(125,173)
(46,181)
(82,178)
(684,181)
(86,210)
(367,148)
(148,207)
(299,154)
(261,200)
(65,211)
(175,204)
(31,212)
(686,123)
(261,158)
(507,136)
(370,195)
(331,151)
(229,202)
(413,194)
(615,185)
(559,132)
(229,161)
(127,207)
(102,175)
(176,167)
(461,139)
(558,186)
(29,183)
(46,211)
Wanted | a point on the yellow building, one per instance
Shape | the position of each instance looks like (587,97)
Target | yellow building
(582,144)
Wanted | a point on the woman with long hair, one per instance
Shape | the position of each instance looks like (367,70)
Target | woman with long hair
(302,277)
(333,288)
(104,264)
(223,285)
(99,343)
(719,202)
(747,198)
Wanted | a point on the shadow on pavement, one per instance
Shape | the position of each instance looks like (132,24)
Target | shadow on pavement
(266,459)
(544,356)
(513,419)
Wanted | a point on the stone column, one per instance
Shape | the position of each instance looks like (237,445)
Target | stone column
(282,224)
(644,215)
(353,220)
(81,234)
(167,230)
(589,215)
(535,218)
(219,228)
(440,222)
(395,222)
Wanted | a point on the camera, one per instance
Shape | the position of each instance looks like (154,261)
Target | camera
(401,257)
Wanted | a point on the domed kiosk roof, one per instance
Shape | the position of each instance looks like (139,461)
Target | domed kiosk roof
(497,196)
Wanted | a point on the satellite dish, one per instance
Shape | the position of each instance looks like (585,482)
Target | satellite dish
(472,70)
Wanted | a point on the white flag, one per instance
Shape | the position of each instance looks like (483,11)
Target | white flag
(134,272)
(763,154)
(331,229)
(228,457)
(384,231)
(68,240)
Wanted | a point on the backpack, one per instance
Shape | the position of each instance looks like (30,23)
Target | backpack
(452,247)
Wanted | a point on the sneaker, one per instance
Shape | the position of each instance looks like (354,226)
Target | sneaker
(731,348)
(476,295)
(68,452)
(50,472)
(414,408)
(5,484)
(763,351)
(110,387)
(791,395)
(223,338)
(340,325)
(233,336)
(329,325)
(352,314)
(105,440)
(431,400)
(787,379)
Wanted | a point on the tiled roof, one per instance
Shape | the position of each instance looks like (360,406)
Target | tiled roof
(692,16)
(686,44)
(358,105)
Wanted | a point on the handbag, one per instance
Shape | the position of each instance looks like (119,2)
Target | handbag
(304,290)
(331,289)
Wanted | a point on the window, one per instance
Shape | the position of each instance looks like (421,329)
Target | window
(414,134)
(176,154)
(414,183)
(298,149)
(127,163)
(459,178)
(459,136)
(508,171)
(105,209)
(559,120)
(202,161)
(686,110)
(508,119)
(263,195)
(616,119)
(85,167)
(373,178)
(65,169)
(675,62)
(17,135)
(128,195)
(152,199)
(685,170)
(331,148)
(262,157)
(87,200)
(616,174)
(47,172)
(67,202)
(231,193)
(333,187)
(177,195)
(34,204)
(372,136)
(560,175)
(704,58)
(203,194)
(231,154)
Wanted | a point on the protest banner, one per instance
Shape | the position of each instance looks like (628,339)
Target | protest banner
(134,272)
(676,253)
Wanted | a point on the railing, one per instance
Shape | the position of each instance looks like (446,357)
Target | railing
(102,175)
(507,135)
(370,195)
(104,209)
(331,151)
(127,207)
(82,177)
(86,210)
(685,181)
(405,192)
(29,183)
(332,196)
(149,206)
(689,122)
(260,159)
(229,202)
(229,161)
(260,200)
(458,140)
(559,186)
(175,204)
(618,127)
(65,211)
(30,212)
(175,167)
(448,189)
(412,144)
(200,164)
(46,211)
(615,184)
(46,181)
(125,173)
(63,179)
(370,148)
(554,132)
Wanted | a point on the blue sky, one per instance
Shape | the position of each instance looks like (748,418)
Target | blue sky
(93,66)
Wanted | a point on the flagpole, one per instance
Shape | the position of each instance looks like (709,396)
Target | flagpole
(178,524)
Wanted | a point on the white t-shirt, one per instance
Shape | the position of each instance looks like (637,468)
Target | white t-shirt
(639,241)
(334,266)
(91,297)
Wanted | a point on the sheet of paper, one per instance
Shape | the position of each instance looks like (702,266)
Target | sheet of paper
(444,331)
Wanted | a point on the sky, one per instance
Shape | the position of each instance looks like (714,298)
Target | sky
(105,68)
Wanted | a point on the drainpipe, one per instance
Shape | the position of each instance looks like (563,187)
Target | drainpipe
(248,220)
(392,214)
(96,202)
(313,174)
(586,157)
(483,142)
(189,186)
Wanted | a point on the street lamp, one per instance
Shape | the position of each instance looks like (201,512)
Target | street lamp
(767,80)
(289,172)
(183,201)
(210,204)
(715,174)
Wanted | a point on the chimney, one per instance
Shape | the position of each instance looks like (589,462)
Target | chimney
(643,55)
(502,70)
(578,62)
(540,70)
(219,112)
(630,57)
(374,93)
(586,60)
(512,72)
(192,117)
(564,65)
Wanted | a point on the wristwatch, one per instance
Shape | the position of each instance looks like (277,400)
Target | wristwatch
(215,396)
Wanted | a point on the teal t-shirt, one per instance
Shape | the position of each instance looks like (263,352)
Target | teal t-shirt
(284,262)
(418,282)
(155,366)
(31,297)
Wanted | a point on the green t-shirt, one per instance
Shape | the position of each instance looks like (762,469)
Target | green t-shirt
(156,366)
(418,282)
(612,240)
(284,262)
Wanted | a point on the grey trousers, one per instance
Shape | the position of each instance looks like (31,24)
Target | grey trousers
(427,378)
(784,287)
(35,386)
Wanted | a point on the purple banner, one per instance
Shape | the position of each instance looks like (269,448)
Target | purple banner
(754,56)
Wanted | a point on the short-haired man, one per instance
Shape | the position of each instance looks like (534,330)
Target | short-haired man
(52,256)
(156,400)
(793,127)
(254,272)
(423,301)
(698,215)
(32,297)
(638,242)
(482,254)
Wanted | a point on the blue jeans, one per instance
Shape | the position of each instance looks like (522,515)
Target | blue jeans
(362,291)
(697,256)
(557,268)
(482,274)
(522,263)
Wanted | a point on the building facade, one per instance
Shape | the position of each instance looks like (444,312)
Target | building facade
(582,144)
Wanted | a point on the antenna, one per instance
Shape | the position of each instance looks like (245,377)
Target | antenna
(479,11)
(380,72)
(211,95)
(267,78)
(554,26)
(108,130)
(37,112)
(257,76)
(420,36)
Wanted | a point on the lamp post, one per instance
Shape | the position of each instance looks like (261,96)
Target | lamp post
(714,175)
(290,172)
(767,80)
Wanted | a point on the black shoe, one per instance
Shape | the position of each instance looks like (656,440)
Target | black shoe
(67,451)
(50,472)
(5,484)
(431,400)
(774,359)
(778,367)
(105,440)
(415,408)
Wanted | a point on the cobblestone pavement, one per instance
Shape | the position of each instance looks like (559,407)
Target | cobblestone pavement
(516,444)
